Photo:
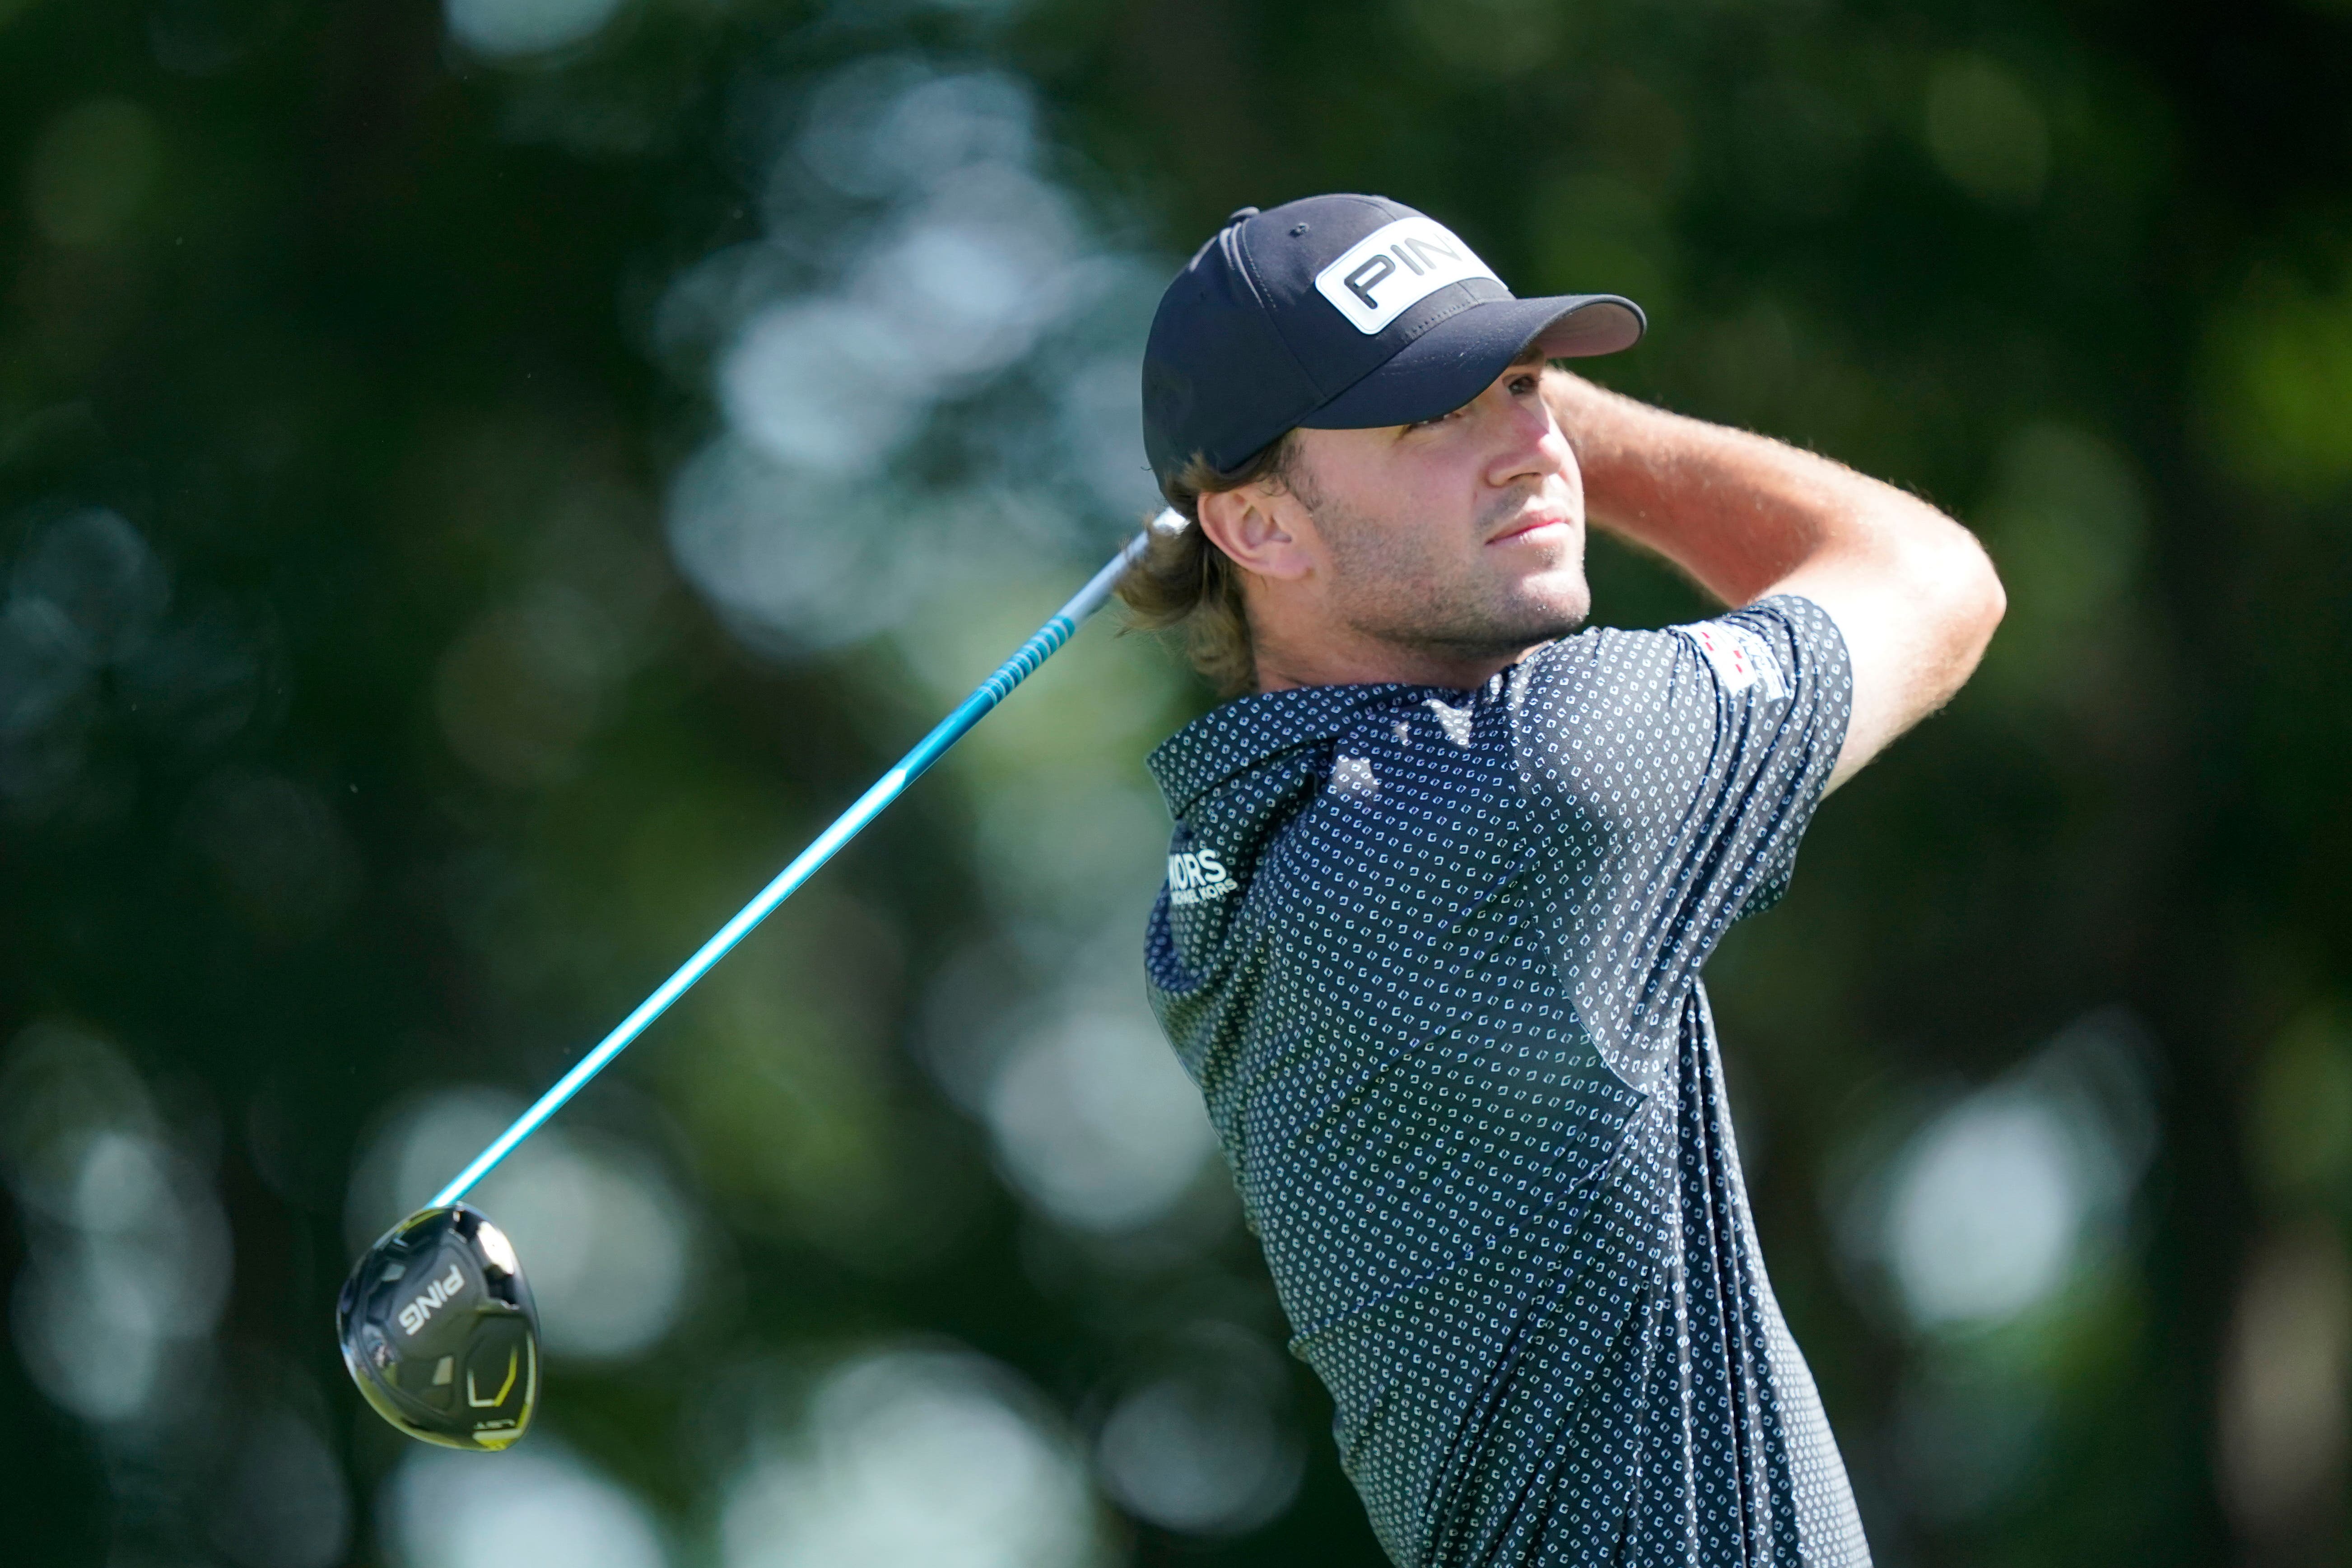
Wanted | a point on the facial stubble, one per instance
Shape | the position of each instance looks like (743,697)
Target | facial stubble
(1387,584)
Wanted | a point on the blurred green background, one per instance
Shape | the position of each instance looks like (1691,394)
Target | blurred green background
(481,483)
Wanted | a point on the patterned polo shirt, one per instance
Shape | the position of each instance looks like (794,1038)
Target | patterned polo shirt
(1433,958)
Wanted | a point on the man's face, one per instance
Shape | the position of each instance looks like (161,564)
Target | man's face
(1462,536)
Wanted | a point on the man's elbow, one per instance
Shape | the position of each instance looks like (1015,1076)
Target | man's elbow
(1981,599)
(1963,600)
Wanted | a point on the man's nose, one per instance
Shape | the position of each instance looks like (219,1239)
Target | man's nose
(1528,442)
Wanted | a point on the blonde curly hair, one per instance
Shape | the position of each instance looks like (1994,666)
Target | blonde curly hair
(1184,582)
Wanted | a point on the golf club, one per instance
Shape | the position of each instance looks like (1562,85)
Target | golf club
(436,1321)
(438,1331)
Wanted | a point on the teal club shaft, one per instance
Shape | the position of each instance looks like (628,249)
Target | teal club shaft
(952,729)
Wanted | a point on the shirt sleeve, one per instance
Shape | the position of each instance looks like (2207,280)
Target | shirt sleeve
(1672,773)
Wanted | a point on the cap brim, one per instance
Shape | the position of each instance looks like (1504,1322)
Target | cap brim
(1452,363)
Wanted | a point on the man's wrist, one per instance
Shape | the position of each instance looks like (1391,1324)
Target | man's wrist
(1617,441)
(1726,507)
(1590,416)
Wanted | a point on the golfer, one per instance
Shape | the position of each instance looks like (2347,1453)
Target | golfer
(1442,881)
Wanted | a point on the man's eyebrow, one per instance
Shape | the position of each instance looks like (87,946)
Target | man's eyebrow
(1531,355)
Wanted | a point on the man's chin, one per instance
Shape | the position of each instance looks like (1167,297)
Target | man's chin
(1490,620)
(1540,617)
(1497,633)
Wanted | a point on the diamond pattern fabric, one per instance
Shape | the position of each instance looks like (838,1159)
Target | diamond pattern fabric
(1432,957)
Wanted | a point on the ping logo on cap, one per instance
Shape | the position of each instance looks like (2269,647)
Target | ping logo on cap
(1395,267)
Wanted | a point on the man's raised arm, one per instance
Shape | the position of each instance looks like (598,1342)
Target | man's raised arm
(1910,590)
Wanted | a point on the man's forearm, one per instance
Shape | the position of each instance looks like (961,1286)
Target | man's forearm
(1912,593)
(1738,512)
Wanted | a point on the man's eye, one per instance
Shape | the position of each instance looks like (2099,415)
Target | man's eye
(1521,385)
(1439,418)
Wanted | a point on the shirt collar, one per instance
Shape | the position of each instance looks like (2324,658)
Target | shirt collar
(1250,732)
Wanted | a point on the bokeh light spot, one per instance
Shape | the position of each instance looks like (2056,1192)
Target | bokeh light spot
(1985,131)
(510,29)
(915,1459)
(1985,1211)
(2278,378)
(2298,1124)
(1989,1207)
(2284,1379)
(1095,1120)
(534,1505)
(1202,1446)
(128,1266)
(91,172)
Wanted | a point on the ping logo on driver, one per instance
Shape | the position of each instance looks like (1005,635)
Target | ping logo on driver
(419,1312)
(1395,267)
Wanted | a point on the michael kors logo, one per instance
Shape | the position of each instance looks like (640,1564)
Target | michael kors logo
(1197,878)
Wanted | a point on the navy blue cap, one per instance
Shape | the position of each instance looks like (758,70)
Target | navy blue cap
(1340,312)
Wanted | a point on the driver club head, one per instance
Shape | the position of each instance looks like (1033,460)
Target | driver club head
(439,1332)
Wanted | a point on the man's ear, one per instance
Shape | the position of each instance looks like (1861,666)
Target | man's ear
(1259,528)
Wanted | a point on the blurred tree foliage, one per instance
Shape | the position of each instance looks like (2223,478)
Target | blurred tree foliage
(327,342)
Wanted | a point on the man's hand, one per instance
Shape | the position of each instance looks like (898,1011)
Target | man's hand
(1746,517)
